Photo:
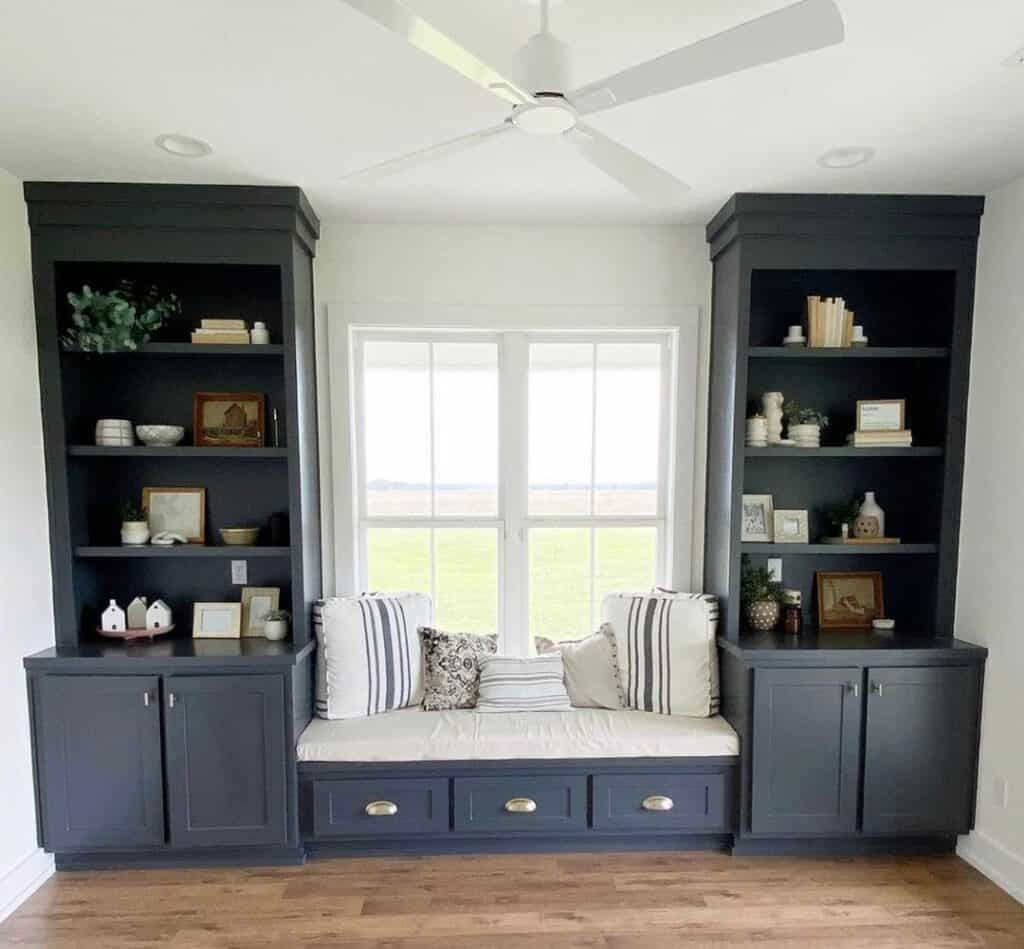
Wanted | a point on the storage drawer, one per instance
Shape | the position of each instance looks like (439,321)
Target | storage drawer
(523,804)
(684,802)
(364,807)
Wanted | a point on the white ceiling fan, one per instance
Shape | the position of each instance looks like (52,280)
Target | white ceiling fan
(542,103)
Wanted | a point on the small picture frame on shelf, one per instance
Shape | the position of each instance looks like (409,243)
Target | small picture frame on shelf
(229,419)
(176,511)
(757,524)
(881,415)
(790,527)
(849,599)
(257,602)
(217,621)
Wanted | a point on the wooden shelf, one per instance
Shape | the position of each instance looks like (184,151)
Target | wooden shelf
(839,550)
(190,349)
(842,451)
(179,551)
(868,352)
(173,451)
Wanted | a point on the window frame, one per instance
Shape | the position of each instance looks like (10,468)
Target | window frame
(513,521)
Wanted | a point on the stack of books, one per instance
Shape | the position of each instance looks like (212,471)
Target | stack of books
(222,331)
(900,439)
(829,323)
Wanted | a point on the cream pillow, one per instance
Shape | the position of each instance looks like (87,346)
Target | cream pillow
(591,668)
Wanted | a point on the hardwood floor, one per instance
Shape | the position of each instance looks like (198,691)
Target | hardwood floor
(596,901)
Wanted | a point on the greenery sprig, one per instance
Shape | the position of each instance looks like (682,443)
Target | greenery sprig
(757,585)
(797,415)
(119,320)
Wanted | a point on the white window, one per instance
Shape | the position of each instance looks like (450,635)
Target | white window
(516,477)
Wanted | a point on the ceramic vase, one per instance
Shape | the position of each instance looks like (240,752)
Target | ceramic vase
(259,335)
(134,533)
(115,433)
(871,508)
(763,615)
(275,629)
(772,404)
(805,436)
(757,432)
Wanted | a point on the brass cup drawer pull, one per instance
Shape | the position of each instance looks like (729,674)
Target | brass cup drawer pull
(520,805)
(381,809)
(658,802)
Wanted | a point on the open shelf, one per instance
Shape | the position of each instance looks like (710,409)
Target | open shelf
(868,352)
(179,551)
(173,451)
(838,550)
(837,451)
(190,349)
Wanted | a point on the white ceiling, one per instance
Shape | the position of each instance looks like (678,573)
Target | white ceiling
(306,91)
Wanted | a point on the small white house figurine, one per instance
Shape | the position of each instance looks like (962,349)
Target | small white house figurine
(137,613)
(158,616)
(113,618)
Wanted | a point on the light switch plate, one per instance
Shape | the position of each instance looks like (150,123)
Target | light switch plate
(239,572)
(775,568)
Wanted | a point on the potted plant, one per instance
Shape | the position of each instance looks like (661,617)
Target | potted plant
(119,320)
(134,528)
(761,597)
(836,515)
(804,426)
(275,625)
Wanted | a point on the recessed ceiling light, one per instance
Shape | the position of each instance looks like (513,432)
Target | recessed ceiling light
(1015,59)
(182,146)
(849,156)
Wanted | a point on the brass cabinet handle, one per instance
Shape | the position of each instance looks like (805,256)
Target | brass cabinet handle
(381,809)
(658,802)
(520,805)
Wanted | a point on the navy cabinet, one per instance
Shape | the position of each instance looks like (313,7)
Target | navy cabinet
(806,750)
(226,760)
(98,759)
(919,749)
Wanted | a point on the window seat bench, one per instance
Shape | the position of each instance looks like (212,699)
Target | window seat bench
(429,782)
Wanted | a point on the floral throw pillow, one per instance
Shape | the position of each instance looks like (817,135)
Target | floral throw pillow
(452,667)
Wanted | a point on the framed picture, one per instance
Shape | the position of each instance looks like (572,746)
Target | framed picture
(228,419)
(849,600)
(179,511)
(217,621)
(757,518)
(881,415)
(790,527)
(256,603)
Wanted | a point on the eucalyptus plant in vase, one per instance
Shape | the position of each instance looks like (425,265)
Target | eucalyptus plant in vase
(118,321)
(761,597)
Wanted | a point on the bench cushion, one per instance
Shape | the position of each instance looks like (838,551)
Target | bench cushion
(463,734)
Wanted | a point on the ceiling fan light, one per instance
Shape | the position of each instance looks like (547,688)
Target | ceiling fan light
(552,116)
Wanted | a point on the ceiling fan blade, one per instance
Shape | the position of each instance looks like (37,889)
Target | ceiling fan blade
(428,39)
(632,171)
(800,28)
(432,153)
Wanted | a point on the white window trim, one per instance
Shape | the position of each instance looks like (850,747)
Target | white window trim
(340,504)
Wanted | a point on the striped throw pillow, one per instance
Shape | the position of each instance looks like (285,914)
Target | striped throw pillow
(369,659)
(668,657)
(523,685)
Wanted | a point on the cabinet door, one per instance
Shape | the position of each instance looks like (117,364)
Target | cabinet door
(98,754)
(805,750)
(226,760)
(920,749)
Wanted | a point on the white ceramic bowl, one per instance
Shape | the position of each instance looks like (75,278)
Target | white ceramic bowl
(233,536)
(160,435)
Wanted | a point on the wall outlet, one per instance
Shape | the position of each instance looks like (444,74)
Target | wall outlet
(239,572)
(775,568)
(1001,791)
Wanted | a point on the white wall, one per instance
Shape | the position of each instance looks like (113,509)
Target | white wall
(991,575)
(622,274)
(25,596)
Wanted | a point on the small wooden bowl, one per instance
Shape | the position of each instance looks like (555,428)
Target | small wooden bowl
(239,536)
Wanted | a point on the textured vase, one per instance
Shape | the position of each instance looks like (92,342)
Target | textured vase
(763,615)
(805,435)
(870,508)
(771,402)
(275,629)
(134,533)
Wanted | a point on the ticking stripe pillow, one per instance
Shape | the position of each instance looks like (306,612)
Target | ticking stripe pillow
(668,657)
(523,685)
(369,658)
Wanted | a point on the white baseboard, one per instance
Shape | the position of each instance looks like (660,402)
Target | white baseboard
(1003,867)
(23,879)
